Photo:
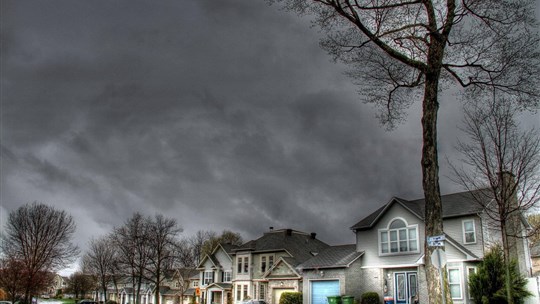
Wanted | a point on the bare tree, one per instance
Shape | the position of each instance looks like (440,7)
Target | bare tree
(399,48)
(12,272)
(39,236)
(504,160)
(100,262)
(197,243)
(226,237)
(186,257)
(131,240)
(162,242)
(80,284)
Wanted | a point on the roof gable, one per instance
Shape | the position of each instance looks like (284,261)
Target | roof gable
(209,259)
(299,245)
(333,257)
(283,268)
(213,257)
(453,205)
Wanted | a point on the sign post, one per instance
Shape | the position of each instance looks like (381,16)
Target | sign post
(438,259)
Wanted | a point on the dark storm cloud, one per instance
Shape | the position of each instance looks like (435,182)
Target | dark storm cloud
(221,114)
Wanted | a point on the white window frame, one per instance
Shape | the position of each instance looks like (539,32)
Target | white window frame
(460,283)
(227,276)
(268,260)
(245,293)
(262,291)
(409,238)
(195,284)
(208,278)
(242,265)
(465,232)
(469,268)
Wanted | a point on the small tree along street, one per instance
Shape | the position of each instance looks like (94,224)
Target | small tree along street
(37,242)
(396,49)
(503,160)
(100,261)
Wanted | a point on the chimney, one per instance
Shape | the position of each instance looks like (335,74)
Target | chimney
(271,228)
(288,232)
(508,187)
(514,226)
(313,235)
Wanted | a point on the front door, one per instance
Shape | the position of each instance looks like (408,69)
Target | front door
(406,287)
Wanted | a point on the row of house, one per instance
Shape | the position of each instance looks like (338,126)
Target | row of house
(387,258)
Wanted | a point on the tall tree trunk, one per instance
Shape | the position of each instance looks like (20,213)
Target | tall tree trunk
(430,167)
(506,255)
(158,286)
(104,287)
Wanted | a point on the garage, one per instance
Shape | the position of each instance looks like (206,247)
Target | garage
(322,289)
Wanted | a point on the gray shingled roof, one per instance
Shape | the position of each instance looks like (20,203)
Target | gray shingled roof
(333,257)
(167,291)
(220,285)
(299,244)
(455,204)
(229,248)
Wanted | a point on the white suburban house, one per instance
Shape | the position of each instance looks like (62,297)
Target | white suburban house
(392,241)
(216,273)
(267,267)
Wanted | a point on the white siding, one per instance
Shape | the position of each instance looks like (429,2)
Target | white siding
(368,240)
(454,228)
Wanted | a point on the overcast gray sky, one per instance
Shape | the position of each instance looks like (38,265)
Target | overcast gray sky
(221,114)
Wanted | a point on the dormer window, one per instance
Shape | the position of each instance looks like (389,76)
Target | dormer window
(398,237)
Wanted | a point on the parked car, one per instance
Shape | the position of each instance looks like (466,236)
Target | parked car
(254,302)
(86,301)
(5,302)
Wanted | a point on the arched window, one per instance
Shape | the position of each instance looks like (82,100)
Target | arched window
(398,237)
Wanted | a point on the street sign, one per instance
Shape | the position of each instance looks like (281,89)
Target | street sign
(438,258)
(435,243)
(436,238)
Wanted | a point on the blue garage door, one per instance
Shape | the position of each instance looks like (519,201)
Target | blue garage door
(322,289)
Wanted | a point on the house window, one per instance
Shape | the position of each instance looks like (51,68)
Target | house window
(266,262)
(398,238)
(195,283)
(245,292)
(208,277)
(242,265)
(227,276)
(238,293)
(262,292)
(470,271)
(454,282)
(469,233)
